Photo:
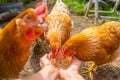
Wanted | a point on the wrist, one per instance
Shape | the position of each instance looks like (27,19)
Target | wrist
(46,73)
(78,76)
(73,76)
(35,76)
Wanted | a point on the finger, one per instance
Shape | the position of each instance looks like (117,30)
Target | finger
(55,75)
(44,60)
(76,62)
(61,71)
(41,65)
(75,65)
(50,55)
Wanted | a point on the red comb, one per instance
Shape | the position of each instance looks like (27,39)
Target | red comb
(41,8)
(64,53)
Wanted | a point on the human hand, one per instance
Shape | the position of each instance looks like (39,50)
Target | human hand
(48,72)
(72,72)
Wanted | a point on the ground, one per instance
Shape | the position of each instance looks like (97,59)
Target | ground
(109,71)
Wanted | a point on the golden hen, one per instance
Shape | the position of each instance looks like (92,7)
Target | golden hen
(16,38)
(59,26)
(98,44)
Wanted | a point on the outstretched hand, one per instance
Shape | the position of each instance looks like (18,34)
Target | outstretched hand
(49,72)
(72,72)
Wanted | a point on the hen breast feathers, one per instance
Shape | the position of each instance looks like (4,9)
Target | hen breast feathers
(60,25)
(98,44)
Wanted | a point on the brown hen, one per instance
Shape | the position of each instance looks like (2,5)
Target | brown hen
(98,44)
(15,40)
(59,26)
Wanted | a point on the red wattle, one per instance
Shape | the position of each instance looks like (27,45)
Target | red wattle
(30,34)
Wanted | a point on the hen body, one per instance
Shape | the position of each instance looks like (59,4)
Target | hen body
(98,44)
(59,25)
(15,41)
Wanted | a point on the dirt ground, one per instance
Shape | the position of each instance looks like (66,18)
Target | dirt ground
(109,71)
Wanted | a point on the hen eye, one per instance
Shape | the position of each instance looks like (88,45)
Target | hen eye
(28,17)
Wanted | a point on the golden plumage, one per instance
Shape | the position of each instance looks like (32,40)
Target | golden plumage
(98,44)
(59,25)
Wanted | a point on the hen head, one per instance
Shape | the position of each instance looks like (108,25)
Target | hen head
(31,24)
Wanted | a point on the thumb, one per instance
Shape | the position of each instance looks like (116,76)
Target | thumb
(44,61)
(62,74)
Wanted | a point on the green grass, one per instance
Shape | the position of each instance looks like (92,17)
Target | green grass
(24,1)
(3,1)
(76,6)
